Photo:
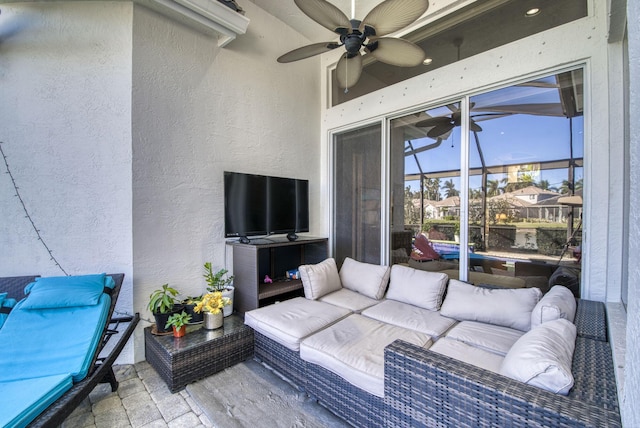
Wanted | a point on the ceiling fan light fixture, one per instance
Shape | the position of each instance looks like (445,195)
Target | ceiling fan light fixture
(534,11)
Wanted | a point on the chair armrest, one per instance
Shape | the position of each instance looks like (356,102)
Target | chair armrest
(426,388)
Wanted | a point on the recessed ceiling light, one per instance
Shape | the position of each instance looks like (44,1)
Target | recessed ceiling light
(427,61)
(532,12)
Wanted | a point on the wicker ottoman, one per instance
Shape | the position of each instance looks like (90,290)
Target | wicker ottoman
(201,353)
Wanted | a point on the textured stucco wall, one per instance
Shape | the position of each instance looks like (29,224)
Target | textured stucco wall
(631,397)
(199,110)
(65,124)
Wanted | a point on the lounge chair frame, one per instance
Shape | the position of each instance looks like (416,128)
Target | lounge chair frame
(102,366)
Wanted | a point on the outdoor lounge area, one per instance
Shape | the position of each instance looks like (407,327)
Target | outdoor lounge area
(506,159)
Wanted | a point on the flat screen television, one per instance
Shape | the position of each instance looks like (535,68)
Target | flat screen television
(265,205)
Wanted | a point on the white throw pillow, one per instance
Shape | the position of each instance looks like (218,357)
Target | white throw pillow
(559,302)
(543,356)
(508,307)
(364,278)
(320,279)
(417,287)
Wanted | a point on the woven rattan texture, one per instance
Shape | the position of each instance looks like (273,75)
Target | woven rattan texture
(428,389)
(352,404)
(281,359)
(590,320)
(179,363)
(14,285)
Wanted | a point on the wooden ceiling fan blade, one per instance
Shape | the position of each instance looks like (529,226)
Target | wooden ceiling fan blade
(396,52)
(307,51)
(325,14)
(348,70)
(393,15)
(440,130)
(433,121)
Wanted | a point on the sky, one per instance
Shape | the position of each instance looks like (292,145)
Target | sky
(509,139)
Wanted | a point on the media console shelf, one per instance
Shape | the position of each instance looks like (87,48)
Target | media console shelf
(274,257)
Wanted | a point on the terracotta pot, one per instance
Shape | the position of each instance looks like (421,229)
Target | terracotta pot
(179,332)
(212,321)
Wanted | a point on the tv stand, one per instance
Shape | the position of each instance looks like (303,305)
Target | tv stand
(244,240)
(273,257)
(292,236)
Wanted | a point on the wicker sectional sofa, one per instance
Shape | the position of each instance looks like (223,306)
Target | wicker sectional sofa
(407,379)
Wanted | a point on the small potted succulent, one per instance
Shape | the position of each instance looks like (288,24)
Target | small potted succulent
(162,303)
(219,281)
(179,323)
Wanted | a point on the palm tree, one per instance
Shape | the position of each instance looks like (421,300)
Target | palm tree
(543,184)
(450,189)
(493,188)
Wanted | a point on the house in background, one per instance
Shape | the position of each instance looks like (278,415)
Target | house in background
(118,120)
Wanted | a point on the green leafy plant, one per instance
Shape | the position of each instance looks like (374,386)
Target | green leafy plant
(192,300)
(161,301)
(216,281)
(178,320)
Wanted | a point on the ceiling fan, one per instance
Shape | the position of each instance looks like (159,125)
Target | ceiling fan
(441,125)
(386,18)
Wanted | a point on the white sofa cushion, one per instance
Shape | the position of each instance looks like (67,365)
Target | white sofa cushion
(353,348)
(365,278)
(559,302)
(290,321)
(320,279)
(417,287)
(506,307)
(468,354)
(348,299)
(411,317)
(543,356)
(488,337)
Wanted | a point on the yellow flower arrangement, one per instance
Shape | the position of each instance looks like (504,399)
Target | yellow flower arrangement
(212,302)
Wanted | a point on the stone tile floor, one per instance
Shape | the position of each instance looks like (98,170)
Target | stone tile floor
(142,400)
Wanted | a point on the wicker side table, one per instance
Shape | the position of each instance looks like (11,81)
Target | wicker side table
(200,353)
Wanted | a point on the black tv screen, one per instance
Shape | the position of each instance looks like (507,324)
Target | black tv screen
(245,204)
(264,205)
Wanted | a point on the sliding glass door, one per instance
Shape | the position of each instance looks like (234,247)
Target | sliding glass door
(357,194)
(523,159)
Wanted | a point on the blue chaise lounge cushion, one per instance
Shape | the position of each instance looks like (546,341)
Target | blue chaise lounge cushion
(23,400)
(65,291)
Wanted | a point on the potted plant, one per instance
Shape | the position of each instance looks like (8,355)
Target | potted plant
(179,323)
(162,303)
(219,281)
(189,304)
(212,305)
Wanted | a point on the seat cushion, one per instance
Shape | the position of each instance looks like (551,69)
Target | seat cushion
(53,341)
(353,348)
(468,354)
(543,357)
(412,317)
(488,337)
(559,302)
(351,300)
(23,400)
(365,278)
(509,307)
(290,321)
(320,279)
(416,287)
